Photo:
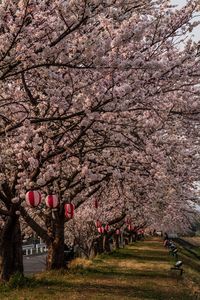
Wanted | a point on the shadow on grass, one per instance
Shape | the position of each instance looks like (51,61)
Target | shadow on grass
(117,255)
(125,273)
(143,258)
(29,282)
(136,255)
(96,290)
(143,292)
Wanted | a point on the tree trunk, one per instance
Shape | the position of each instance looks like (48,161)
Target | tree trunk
(130,238)
(117,241)
(11,256)
(98,246)
(55,256)
(126,241)
(106,244)
(94,249)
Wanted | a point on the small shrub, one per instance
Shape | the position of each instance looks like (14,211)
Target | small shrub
(18,280)
(4,288)
(79,264)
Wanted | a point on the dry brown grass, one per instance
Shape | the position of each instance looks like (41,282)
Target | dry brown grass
(193,240)
(80,263)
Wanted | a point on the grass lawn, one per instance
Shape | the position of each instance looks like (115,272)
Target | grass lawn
(140,271)
(195,240)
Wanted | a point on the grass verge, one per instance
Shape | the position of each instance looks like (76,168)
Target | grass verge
(139,271)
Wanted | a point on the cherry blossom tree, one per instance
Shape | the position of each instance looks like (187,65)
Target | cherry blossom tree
(88,90)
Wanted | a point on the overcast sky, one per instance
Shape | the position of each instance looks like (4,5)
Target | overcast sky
(196,32)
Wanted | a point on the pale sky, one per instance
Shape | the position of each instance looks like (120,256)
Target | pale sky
(196,32)
(179,2)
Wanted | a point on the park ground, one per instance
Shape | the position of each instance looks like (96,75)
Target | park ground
(139,271)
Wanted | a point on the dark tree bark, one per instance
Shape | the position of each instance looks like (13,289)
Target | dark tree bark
(11,256)
(98,245)
(117,241)
(55,256)
(106,243)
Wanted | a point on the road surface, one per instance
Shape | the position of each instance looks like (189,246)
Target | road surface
(34,264)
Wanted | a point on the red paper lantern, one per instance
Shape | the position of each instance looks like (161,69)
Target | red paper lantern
(107,227)
(128,220)
(96,204)
(130,227)
(101,229)
(69,210)
(52,201)
(140,231)
(33,198)
(117,232)
(98,224)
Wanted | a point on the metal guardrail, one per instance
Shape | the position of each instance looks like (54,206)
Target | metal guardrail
(41,248)
(172,235)
(188,246)
(34,249)
(28,249)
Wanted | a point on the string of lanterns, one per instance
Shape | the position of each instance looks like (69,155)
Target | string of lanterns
(103,228)
(34,198)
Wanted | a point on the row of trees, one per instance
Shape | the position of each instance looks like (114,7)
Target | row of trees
(98,99)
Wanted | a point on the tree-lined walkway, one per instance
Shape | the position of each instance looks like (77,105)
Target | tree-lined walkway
(140,271)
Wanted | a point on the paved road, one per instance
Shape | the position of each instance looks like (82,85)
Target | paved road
(34,264)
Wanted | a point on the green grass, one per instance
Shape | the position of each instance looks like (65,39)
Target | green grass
(140,271)
(191,264)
